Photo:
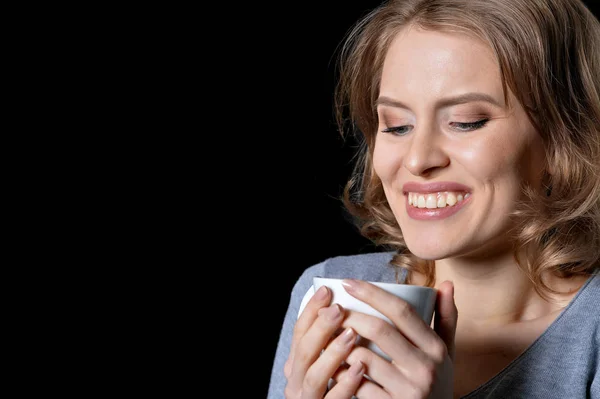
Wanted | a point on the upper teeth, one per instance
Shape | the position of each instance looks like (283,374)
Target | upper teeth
(436,200)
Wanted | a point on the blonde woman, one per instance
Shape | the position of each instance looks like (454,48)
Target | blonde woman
(479,175)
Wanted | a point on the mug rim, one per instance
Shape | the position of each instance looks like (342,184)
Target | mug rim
(380,284)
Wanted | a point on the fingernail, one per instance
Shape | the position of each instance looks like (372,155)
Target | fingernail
(350,285)
(348,336)
(357,369)
(321,293)
(331,313)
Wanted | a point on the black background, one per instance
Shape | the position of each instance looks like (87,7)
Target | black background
(298,162)
(298,219)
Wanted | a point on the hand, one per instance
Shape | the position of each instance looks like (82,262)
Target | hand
(317,354)
(422,357)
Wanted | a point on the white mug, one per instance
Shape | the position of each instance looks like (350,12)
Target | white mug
(422,299)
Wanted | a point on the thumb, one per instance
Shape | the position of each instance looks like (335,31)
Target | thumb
(446,316)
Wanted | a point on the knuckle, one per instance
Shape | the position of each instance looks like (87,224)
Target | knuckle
(439,351)
(404,309)
(379,328)
(302,353)
(361,354)
(311,382)
(427,373)
(302,357)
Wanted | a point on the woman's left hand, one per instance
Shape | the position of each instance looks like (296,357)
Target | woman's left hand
(422,357)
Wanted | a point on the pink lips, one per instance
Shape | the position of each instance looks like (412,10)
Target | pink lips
(436,213)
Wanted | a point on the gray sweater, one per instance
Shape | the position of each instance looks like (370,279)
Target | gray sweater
(563,363)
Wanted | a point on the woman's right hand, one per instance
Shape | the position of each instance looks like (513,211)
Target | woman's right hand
(307,369)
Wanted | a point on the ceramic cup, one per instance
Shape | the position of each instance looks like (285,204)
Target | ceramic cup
(422,299)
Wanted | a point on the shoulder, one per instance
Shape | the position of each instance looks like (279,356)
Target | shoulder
(373,266)
(589,306)
(583,312)
(585,302)
(584,305)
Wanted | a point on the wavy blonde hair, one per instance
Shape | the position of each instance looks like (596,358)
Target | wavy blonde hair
(549,56)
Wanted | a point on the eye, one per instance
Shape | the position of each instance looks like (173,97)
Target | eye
(467,127)
(397,130)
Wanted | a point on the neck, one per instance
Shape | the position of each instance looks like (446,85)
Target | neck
(490,292)
(494,291)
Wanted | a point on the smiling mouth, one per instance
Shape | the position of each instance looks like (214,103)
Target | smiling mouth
(437,200)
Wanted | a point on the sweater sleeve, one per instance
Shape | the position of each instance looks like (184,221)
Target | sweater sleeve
(278,381)
(595,386)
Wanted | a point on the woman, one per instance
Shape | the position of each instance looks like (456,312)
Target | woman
(479,175)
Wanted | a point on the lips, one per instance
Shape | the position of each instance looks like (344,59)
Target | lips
(436,200)
(434,187)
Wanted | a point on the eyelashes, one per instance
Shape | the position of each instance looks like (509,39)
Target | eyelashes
(467,127)
(457,126)
(398,130)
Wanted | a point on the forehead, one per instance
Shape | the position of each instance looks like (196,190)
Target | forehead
(437,63)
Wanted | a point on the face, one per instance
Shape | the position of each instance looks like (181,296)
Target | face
(451,154)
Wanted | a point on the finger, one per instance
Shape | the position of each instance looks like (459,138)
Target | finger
(347,382)
(400,313)
(386,337)
(321,298)
(373,391)
(446,316)
(367,387)
(385,374)
(313,342)
(319,373)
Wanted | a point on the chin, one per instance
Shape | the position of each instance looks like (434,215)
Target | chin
(429,250)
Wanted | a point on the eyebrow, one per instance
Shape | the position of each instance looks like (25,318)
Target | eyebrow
(443,103)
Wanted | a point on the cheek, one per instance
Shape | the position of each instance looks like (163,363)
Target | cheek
(387,159)
(495,156)
(485,160)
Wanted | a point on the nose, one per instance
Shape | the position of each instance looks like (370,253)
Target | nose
(426,152)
